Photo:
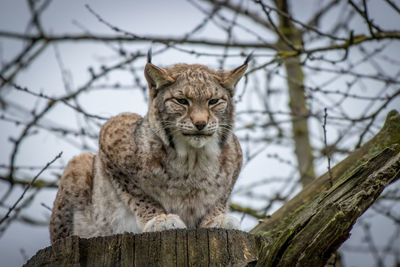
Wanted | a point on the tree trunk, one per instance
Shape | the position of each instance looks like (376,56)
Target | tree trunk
(297,100)
(303,232)
(202,247)
(388,136)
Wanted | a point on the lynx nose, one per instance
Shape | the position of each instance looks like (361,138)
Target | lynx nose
(200,125)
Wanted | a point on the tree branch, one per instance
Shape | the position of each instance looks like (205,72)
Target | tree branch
(27,187)
(311,226)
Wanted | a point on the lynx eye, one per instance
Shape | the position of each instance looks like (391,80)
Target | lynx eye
(182,101)
(213,101)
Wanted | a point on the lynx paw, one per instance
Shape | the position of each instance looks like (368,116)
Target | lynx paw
(223,221)
(164,222)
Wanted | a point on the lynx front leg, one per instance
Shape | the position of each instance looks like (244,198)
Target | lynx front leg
(218,218)
(149,213)
(164,222)
(153,217)
(221,221)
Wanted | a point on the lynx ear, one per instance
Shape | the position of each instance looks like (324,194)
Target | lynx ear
(231,78)
(156,77)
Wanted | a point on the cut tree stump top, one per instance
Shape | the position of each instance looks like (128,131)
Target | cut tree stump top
(202,247)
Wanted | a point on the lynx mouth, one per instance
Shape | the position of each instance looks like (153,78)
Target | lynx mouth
(197,135)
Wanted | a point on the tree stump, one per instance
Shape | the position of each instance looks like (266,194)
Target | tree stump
(202,247)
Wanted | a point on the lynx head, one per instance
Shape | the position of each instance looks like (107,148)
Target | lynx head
(191,106)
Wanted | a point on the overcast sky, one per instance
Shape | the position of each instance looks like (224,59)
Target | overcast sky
(141,17)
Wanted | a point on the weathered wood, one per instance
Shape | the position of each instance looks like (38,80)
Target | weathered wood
(309,235)
(63,253)
(387,136)
(316,223)
(202,247)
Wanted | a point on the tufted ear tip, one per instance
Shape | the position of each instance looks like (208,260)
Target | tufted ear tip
(149,54)
(248,58)
(230,81)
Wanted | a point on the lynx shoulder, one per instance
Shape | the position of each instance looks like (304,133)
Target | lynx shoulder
(173,168)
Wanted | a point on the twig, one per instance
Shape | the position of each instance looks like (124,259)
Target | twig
(45,206)
(28,186)
(326,148)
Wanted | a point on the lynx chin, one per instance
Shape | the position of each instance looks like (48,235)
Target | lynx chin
(173,168)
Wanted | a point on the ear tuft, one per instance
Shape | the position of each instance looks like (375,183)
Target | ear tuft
(149,55)
(156,77)
(233,77)
(248,58)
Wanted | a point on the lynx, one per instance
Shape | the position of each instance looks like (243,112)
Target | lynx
(173,168)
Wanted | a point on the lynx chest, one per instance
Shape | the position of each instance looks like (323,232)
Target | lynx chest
(188,186)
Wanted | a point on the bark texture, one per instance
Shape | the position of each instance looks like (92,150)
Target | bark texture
(304,232)
(388,136)
(311,226)
(203,247)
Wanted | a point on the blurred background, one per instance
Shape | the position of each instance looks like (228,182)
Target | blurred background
(324,74)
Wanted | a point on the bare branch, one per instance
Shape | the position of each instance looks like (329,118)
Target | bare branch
(27,188)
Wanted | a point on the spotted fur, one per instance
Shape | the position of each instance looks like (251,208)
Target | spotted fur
(173,168)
